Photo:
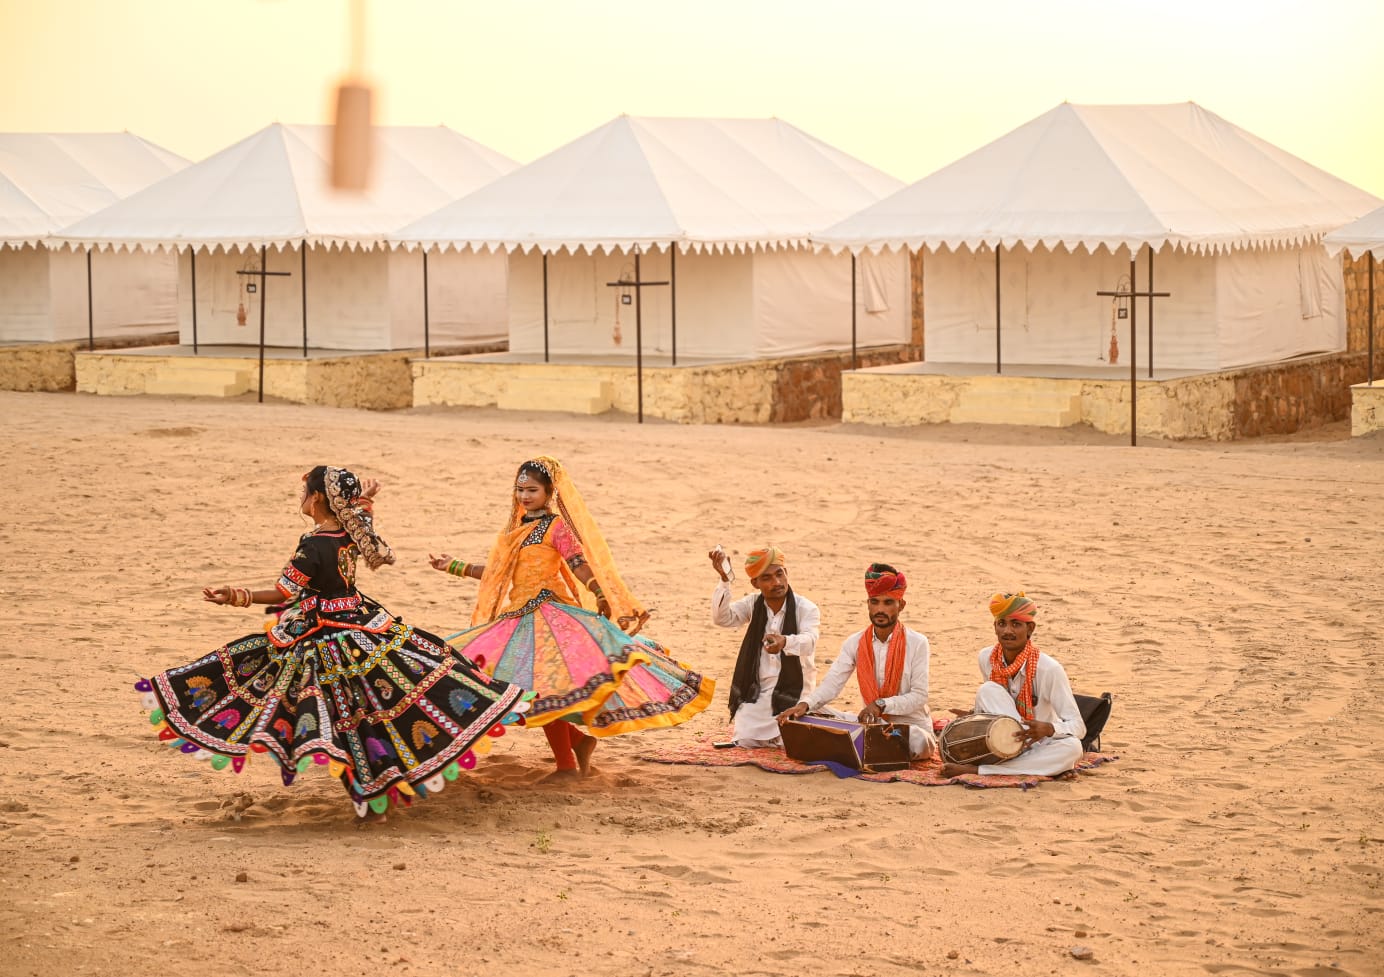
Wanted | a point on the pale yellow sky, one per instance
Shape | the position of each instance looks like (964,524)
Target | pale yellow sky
(907,85)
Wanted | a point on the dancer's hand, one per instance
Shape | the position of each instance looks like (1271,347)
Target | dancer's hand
(369,488)
(440,562)
(217,595)
(603,607)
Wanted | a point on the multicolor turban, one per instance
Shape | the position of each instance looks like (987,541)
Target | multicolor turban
(1017,606)
(757,561)
(882,580)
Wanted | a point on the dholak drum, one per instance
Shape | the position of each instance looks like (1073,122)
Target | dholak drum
(980,739)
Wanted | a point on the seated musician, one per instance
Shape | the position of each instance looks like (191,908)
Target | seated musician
(1029,686)
(890,663)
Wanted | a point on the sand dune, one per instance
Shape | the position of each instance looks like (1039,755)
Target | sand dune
(1225,594)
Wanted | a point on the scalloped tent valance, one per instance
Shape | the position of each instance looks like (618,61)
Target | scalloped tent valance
(1357,239)
(1112,176)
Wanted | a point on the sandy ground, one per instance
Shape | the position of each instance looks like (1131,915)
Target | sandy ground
(1227,594)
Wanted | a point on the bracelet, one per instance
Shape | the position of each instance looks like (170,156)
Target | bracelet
(595,588)
(459,568)
(240,596)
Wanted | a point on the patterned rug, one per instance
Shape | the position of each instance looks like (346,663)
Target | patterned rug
(925,773)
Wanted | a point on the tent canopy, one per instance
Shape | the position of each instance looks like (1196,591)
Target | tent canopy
(1112,175)
(698,183)
(273,189)
(1360,237)
(49,180)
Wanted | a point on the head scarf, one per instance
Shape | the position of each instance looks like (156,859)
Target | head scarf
(882,580)
(567,502)
(1017,606)
(353,511)
(758,561)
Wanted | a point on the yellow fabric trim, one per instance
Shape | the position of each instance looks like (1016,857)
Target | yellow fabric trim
(661,721)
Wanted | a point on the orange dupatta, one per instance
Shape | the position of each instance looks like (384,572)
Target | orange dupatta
(870,689)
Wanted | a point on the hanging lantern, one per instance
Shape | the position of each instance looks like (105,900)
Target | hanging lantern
(351,140)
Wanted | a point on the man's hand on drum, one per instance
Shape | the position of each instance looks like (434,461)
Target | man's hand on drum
(796,712)
(1035,730)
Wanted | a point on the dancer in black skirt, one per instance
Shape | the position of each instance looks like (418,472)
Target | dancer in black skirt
(337,681)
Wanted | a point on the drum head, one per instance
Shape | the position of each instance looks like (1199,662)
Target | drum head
(1004,737)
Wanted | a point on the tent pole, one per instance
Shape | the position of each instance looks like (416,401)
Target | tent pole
(304,283)
(1131,302)
(427,323)
(854,359)
(91,319)
(997,307)
(638,336)
(545,307)
(1133,352)
(193,252)
(1369,256)
(673,279)
(264,282)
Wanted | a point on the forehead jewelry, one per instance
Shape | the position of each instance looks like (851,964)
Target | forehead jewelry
(523,477)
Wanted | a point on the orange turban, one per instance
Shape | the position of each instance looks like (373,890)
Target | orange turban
(1017,606)
(757,561)
(882,580)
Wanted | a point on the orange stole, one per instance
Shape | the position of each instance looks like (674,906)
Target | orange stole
(870,688)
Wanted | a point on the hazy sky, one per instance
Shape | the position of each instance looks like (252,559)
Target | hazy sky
(907,85)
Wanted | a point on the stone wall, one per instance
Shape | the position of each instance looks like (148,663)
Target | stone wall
(1367,409)
(1357,308)
(50,367)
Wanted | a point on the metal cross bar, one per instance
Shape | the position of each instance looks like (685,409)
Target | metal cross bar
(1133,293)
(264,275)
(637,285)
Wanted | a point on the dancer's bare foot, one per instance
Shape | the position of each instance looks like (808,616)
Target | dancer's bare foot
(559,776)
(371,818)
(583,750)
(958,769)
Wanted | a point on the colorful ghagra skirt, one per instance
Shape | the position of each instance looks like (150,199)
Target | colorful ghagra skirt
(582,667)
(389,709)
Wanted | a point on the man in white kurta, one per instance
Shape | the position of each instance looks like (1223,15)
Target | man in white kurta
(1044,706)
(905,704)
(760,681)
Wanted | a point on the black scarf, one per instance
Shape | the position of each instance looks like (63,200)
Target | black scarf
(744,685)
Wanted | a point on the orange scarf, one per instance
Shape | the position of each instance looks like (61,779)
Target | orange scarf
(870,689)
(1001,673)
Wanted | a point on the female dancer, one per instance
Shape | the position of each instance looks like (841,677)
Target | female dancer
(337,681)
(535,627)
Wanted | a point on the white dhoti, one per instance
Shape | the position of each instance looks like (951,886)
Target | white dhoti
(755,725)
(1046,758)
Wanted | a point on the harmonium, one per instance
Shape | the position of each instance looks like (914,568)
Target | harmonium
(867,747)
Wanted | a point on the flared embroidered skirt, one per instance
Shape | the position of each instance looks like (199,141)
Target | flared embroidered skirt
(582,667)
(388,708)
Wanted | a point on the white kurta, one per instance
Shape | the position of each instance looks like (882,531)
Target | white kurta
(1053,703)
(909,706)
(755,724)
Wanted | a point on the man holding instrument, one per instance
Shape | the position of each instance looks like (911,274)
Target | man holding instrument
(777,664)
(890,663)
(1029,686)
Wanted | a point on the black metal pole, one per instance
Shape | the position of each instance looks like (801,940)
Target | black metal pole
(1133,352)
(91,319)
(193,253)
(1131,302)
(263,293)
(997,307)
(305,299)
(855,365)
(427,323)
(673,281)
(545,306)
(1369,265)
(638,335)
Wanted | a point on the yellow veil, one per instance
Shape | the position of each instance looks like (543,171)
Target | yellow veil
(567,502)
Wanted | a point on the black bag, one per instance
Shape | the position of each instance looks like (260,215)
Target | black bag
(1095,710)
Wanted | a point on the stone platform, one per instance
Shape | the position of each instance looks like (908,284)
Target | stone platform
(1367,408)
(693,392)
(1272,398)
(331,378)
(51,367)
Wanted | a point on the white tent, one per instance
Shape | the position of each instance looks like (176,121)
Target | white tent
(270,193)
(1235,222)
(736,198)
(46,182)
(1358,238)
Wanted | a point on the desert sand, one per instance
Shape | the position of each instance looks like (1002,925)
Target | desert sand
(1228,595)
